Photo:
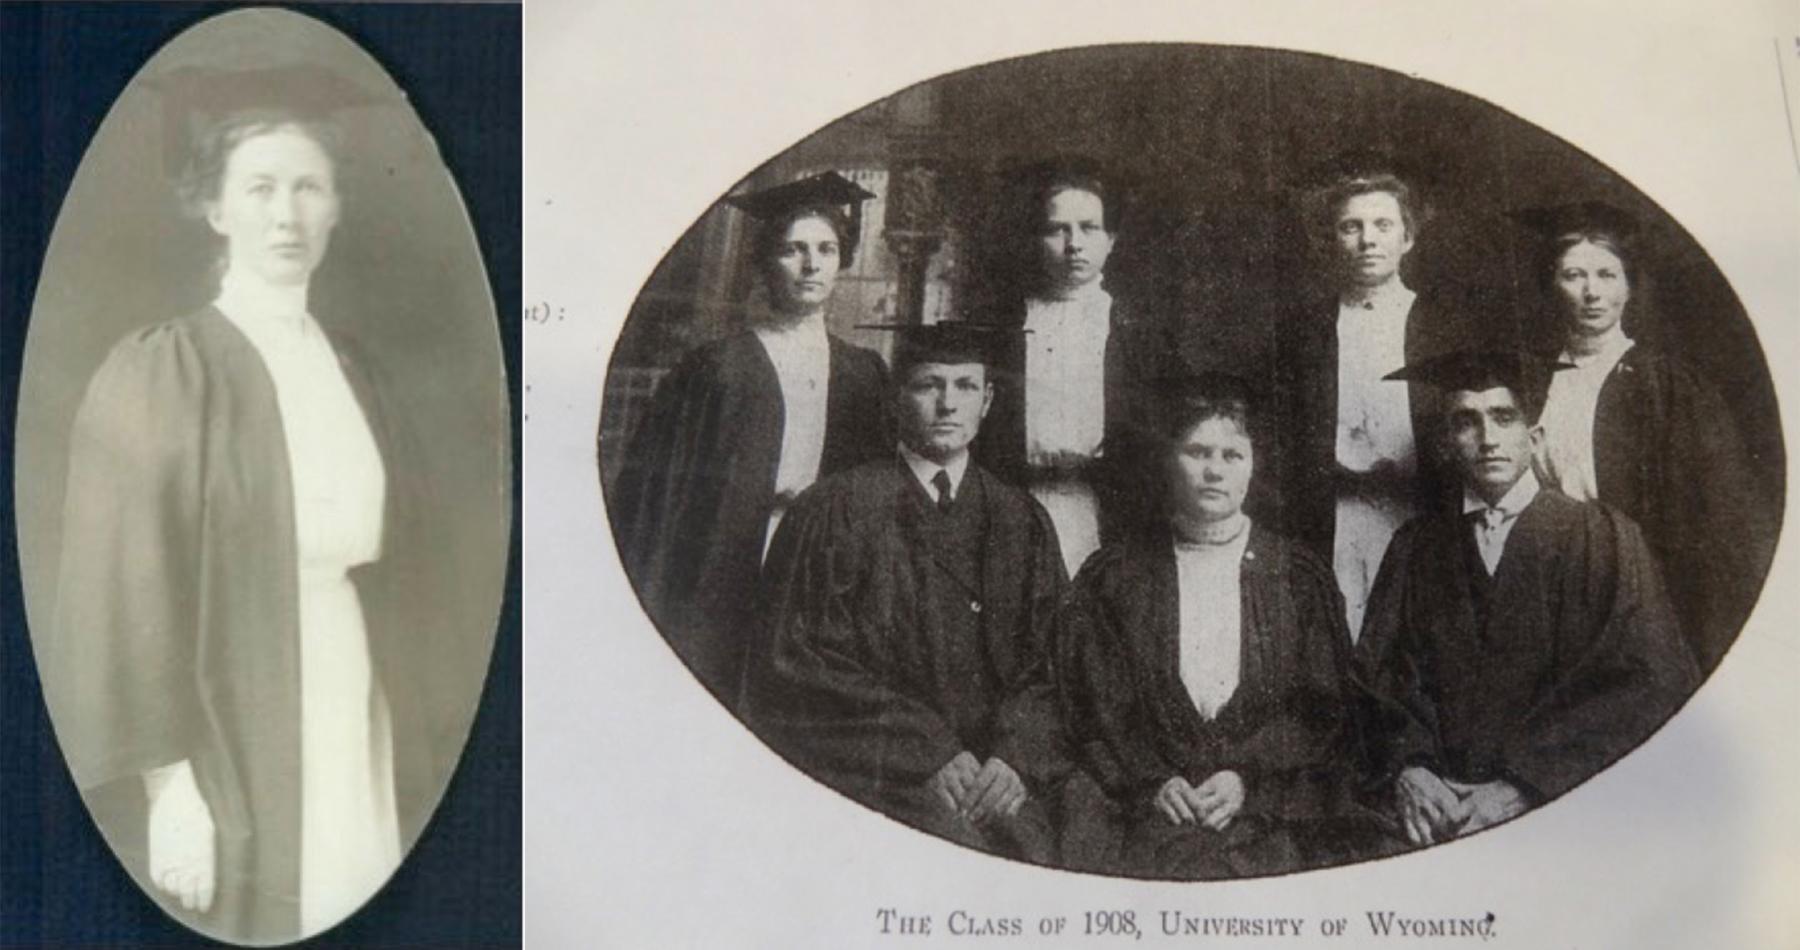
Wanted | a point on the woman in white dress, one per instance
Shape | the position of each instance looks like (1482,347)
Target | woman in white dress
(229,505)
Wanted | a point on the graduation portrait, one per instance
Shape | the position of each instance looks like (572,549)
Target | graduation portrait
(264,478)
(1085,462)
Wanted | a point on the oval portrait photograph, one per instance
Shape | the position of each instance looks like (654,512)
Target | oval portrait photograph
(1192,462)
(264,477)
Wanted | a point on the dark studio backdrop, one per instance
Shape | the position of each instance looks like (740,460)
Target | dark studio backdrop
(1211,148)
(399,275)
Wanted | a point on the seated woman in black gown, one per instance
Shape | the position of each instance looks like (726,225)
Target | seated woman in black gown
(1202,668)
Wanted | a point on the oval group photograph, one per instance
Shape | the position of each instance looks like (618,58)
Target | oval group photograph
(1191,462)
(264,477)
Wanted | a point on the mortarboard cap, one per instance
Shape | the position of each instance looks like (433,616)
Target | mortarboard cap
(1525,373)
(824,190)
(949,341)
(195,98)
(1555,221)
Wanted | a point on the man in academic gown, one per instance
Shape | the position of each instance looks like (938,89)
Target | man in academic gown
(908,604)
(1518,643)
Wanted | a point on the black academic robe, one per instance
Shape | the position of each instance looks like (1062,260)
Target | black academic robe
(1667,453)
(1542,675)
(176,630)
(883,658)
(691,505)
(1305,443)
(1139,351)
(1286,731)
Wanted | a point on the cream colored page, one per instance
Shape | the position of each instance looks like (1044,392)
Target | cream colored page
(655,819)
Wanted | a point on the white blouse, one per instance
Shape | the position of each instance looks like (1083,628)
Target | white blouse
(1209,586)
(1567,458)
(1374,422)
(801,352)
(349,824)
(1065,373)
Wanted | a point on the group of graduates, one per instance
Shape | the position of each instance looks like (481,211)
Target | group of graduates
(1009,592)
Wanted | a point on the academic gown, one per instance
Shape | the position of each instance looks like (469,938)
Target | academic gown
(883,657)
(1306,376)
(1139,351)
(1286,730)
(1667,454)
(1542,675)
(690,508)
(176,632)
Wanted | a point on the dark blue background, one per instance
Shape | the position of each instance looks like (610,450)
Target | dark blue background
(61,67)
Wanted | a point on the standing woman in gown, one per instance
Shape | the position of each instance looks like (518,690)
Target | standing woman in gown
(235,560)
(1067,404)
(741,426)
(1203,670)
(1641,431)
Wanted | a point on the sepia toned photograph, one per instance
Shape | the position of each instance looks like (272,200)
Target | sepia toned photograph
(263,477)
(1082,460)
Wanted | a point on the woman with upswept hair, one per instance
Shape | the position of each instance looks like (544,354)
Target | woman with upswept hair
(1637,428)
(234,654)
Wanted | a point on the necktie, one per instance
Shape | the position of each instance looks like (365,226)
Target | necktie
(941,482)
(1488,522)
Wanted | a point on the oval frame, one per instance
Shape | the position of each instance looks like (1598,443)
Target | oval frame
(704,273)
(410,200)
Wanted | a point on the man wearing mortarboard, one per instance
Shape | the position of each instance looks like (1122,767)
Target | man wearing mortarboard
(1518,643)
(1351,469)
(741,426)
(907,611)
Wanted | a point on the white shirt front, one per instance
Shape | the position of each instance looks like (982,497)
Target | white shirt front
(925,470)
(1065,373)
(1208,577)
(1374,418)
(1567,458)
(1497,521)
(801,353)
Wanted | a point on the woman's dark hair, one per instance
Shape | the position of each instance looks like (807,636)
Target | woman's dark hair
(1056,184)
(1186,404)
(1321,205)
(1616,243)
(771,234)
(1613,242)
(200,182)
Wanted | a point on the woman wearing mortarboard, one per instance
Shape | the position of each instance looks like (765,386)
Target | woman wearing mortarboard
(1641,431)
(239,602)
(744,424)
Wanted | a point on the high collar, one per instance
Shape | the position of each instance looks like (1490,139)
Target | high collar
(1393,295)
(805,326)
(1514,501)
(1090,292)
(1210,534)
(1607,351)
(250,300)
